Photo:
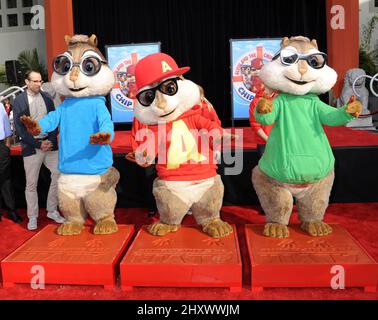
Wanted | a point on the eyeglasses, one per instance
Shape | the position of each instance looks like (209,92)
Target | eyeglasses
(90,66)
(289,57)
(168,87)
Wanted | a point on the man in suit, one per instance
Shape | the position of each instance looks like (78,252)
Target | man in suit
(37,149)
(6,189)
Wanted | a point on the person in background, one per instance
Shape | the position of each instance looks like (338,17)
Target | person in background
(6,189)
(37,150)
(7,106)
(49,89)
(261,131)
(149,170)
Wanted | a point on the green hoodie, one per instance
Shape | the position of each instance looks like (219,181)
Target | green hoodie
(298,150)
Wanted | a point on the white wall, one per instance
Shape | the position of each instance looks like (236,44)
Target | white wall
(13,40)
(367,10)
(12,43)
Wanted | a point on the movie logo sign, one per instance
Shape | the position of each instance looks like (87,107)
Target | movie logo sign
(122,60)
(248,57)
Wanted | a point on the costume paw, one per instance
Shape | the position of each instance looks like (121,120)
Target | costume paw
(143,159)
(276,230)
(106,226)
(316,228)
(354,107)
(131,157)
(161,229)
(100,138)
(31,125)
(70,228)
(139,159)
(264,105)
(217,228)
(109,179)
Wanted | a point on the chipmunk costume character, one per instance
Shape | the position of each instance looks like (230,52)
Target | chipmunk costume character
(87,180)
(187,179)
(298,159)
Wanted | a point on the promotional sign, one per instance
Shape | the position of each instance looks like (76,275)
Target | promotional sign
(122,60)
(247,58)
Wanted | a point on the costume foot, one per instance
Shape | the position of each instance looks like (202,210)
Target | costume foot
(70,228)
(106,226)
(316,228)
(217,228)
(276,230)
(161,229)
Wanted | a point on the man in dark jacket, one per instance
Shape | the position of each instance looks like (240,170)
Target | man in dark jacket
(37,149)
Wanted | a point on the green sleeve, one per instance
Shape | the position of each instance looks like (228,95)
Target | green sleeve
(268,118)
(331,116)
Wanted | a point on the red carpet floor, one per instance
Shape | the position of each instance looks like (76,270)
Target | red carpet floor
(338,137)
(361,220)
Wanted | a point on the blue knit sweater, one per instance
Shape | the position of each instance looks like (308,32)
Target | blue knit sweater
(78,118)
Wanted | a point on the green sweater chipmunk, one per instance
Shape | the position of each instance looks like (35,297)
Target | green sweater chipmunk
(298,160)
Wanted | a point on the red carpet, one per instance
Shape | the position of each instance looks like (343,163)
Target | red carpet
(338,137)
(361,220)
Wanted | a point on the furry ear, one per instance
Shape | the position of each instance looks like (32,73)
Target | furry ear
(67,39)
(314,43)
(93,40)
(285,42)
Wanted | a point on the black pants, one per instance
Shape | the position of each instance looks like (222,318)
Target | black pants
(6,188)
(150,176)
(260,150)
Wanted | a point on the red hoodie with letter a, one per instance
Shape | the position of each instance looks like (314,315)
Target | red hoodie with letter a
(184,147)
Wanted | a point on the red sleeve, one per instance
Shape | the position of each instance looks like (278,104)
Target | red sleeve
(252,121)
(210,113)
(204,123)
(149,130)
(134,130)
(136,126)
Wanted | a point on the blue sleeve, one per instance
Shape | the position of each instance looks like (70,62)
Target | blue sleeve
(105,122)
(7,128)
(50,121)
(331,116)
(4,118)
(268,118)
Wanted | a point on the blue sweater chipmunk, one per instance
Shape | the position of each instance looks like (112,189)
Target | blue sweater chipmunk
(87,179)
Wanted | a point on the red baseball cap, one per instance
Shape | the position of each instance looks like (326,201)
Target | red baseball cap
(156,67)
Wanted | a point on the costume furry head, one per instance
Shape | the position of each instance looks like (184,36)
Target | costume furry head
(299,68)
(82,71)
(298,160)
(87,181)
(187,179)
(165,106)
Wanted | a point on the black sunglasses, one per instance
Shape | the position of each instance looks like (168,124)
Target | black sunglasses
(90,66)
(168,87)
(289,57)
